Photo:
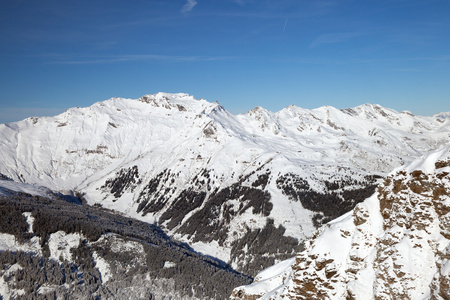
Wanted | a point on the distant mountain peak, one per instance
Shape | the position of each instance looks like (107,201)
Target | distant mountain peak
(179,101)
(442,115)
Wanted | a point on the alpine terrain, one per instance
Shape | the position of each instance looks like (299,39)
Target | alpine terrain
(247,189)
(393,245)
(55,247)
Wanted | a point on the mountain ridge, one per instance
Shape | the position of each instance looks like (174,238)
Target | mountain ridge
(214,179)
(394,245)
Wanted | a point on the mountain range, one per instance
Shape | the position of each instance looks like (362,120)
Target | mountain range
(246,189)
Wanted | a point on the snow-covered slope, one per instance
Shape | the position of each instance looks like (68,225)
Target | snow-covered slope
(8,187)
(54,249)
(394,245)
(232,186)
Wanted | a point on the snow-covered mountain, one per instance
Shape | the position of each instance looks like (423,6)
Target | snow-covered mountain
(394,245)
(51,248)
(232,186)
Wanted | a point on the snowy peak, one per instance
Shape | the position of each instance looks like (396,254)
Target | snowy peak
(264,119)
(442,117)
(394,245)
(181,102)
(157,104)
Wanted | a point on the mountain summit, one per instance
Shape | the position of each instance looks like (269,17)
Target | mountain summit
(232,186)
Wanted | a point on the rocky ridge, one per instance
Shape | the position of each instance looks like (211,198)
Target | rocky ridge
(394,245)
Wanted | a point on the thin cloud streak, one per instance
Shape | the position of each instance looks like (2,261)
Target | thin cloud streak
(369,61)
(131,58)
(61,59)
(262,14)
(188,6)
(436,58)
(285,24)
(333,38)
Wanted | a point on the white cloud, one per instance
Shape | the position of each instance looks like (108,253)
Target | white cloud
(188,6)
(135,57)
(240,2)
(333,38)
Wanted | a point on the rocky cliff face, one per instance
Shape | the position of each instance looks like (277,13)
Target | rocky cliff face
(394,245)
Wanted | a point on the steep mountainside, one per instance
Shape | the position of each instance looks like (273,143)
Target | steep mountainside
(232,186)
(394,245)
(54,249)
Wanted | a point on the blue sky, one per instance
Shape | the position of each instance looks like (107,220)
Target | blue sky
(272,53)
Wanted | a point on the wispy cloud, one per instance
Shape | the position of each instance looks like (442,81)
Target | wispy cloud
(404,70)
(241,2)
(134,57)
(333,38)
(442,58)
(188,6)
(285,24)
